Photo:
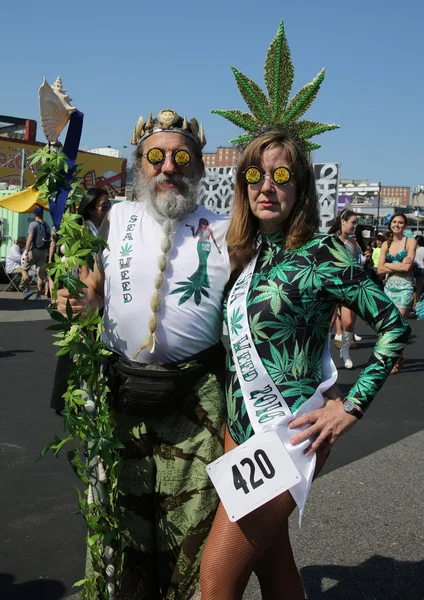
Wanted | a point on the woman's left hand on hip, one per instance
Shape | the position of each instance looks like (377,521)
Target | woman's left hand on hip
(326,425)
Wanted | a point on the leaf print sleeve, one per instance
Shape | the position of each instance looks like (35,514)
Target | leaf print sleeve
(345,282)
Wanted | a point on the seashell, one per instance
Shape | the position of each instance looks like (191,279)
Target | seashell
(58,88)
(63,248)
(101,472)
(90,497)
(108,552)
(111,588)
(110,570)
(64,259)
(55,110)
(90,406)
(185,124)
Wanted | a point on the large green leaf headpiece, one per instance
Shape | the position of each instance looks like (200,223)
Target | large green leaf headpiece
(276,111)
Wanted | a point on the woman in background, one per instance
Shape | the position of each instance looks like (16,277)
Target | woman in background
(367,254)
(396,262)
(344,228)
(379,240)
(94,207)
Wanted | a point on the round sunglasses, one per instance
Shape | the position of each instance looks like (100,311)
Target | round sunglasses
(156,157)
(255,176)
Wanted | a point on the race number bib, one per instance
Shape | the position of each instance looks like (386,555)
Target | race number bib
(252,474)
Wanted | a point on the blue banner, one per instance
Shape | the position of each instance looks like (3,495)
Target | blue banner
(57,206)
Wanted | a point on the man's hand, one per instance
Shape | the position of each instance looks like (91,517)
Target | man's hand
(325,424)
(78,305)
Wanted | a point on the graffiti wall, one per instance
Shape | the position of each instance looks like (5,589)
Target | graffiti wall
(327,182)
(218,188)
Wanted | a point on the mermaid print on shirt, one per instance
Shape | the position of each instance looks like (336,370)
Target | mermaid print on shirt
(199,281)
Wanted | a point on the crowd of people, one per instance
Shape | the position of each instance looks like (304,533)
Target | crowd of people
(392,260)
(27,258)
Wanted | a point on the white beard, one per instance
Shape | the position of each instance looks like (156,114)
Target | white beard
(173,204)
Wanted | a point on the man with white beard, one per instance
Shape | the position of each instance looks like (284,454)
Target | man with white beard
(161,282)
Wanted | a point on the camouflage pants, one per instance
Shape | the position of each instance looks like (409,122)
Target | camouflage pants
(168,500)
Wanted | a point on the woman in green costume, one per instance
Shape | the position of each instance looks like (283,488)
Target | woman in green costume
(299,278)
(289,298)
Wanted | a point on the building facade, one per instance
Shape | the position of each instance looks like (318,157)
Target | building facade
(223,157)
(373,202)
(395,195)
(359,193)
(362,193)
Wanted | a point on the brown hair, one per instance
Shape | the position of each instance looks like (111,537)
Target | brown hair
(390,235)
(303,220)
(336,227)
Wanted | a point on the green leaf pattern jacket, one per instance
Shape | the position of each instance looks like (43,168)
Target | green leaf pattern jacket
(290,304)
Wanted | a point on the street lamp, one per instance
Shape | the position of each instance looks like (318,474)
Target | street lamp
(378,207)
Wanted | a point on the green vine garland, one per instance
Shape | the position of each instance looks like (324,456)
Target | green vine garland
(88,420)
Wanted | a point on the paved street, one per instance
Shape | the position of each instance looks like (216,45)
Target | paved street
(362,535)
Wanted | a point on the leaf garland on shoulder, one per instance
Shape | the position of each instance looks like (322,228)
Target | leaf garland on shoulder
(276,111)
(88,420)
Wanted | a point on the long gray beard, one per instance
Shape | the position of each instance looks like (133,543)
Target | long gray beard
(170,205)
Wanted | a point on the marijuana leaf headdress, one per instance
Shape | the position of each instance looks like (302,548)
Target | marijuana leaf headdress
(277,111)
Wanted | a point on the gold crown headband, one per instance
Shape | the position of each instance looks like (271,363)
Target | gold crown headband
(168,120)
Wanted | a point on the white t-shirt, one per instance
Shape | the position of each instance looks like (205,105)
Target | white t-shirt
(190,318)
(13,258)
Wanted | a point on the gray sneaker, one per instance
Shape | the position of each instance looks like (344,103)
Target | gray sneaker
(27,295)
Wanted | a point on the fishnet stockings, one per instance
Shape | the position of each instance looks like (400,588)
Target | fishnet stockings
(259,542)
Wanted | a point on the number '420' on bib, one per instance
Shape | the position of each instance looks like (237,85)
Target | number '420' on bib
(253,473)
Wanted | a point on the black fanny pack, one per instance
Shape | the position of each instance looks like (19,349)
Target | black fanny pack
(157,390)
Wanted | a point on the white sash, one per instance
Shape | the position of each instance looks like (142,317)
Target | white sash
(264,403)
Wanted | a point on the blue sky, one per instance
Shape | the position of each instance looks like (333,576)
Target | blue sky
(119,60)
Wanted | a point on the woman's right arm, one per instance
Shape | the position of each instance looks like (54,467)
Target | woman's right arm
(193,233)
